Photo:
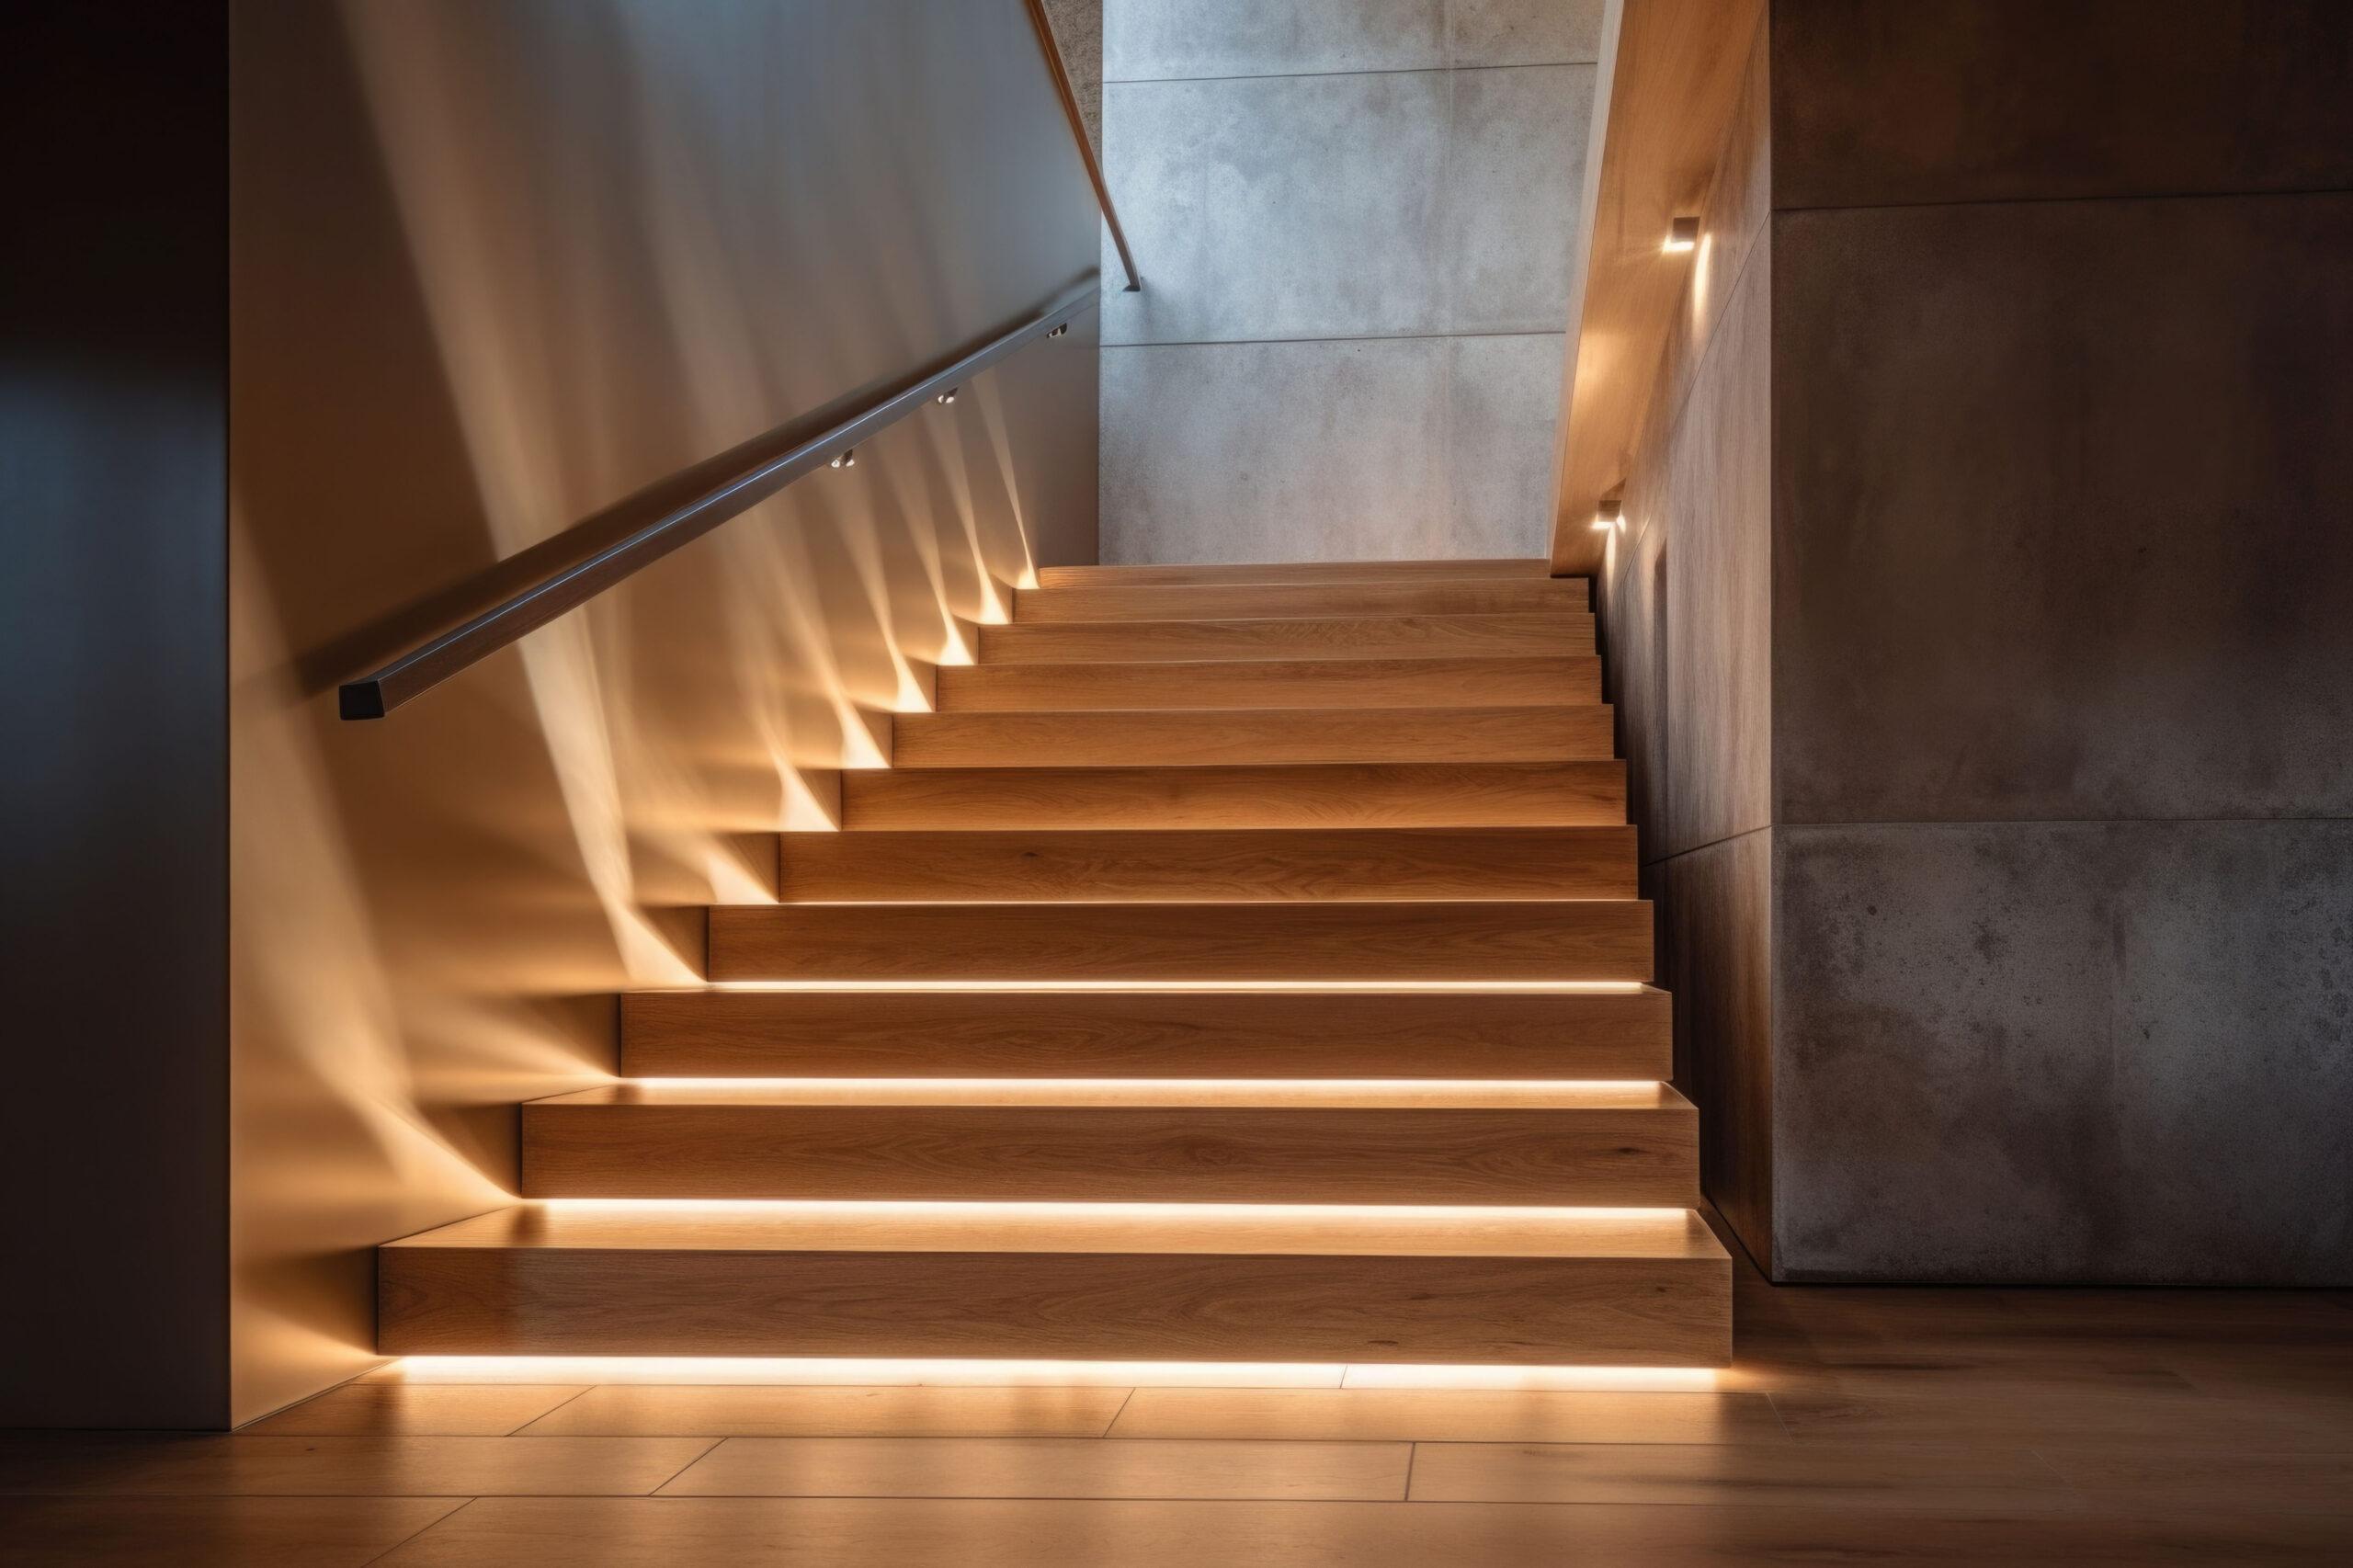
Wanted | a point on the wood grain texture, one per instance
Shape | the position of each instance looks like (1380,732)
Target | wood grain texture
(1498,794)
(1554,633)
(1931,1478)
(340,1466)
(1043,1467)
(1503,680)
(624,1410)
(1229,573)
(1148,1305)
(1636,1146)
(1206,737)
(1452,1416)
(1258,601)
(1171,1033)
(211,1532)
(1668,80)
(778,1532)
(1512,940)
(1302,863)
(400,1409)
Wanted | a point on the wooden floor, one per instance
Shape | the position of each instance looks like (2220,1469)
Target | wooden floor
(1880,1426)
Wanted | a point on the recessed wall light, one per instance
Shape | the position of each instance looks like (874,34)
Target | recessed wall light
(1610,515)
(848,458)
(1682,235)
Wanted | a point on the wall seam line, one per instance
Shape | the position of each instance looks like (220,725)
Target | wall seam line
(1323,75)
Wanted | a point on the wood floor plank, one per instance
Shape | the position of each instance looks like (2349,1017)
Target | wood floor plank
(373,1409)
(767,1532)
(1204,736)
(1495,794)
(1556,633)
(2124,1477)
(210,1532)
(1439,682)
(1210,867)
(1940,1480)
(1249,601)
(342,1466)
(1294,571)
(1516,939)
(1450,1415)
(1250,1143)
(1532,1033)
(2062,1416)
(1043,1467)
(738,1411)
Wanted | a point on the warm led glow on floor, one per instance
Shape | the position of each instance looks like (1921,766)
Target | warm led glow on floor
(1384,987)
(853,1372)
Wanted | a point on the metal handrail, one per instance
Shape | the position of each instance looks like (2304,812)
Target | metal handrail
(1044,28)
(428,663)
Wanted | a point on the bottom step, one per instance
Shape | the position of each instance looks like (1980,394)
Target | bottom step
(1564,1286)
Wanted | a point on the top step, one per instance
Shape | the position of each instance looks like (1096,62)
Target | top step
(1288,572)
(1250,601)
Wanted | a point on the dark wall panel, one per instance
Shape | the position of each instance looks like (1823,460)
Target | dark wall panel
(113,697)
(2064,505)
(1890,102)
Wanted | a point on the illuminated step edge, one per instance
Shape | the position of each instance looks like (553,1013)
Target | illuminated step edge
(909,1372)
(1323,1284)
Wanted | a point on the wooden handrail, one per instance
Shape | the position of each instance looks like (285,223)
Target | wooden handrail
(1044,28)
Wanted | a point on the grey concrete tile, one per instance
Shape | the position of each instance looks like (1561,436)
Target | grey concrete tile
(2066,1053)
(1991,100)
(1513,183)
(1158,39)
(1302,207)
(1503,401)
(2061,510)
(1279,451)
(1522,32)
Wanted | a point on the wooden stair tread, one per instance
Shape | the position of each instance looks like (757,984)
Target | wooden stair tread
(1556,633)
(1295,571)
(1501,794)
(1513,1031)
(1526,938)
(1252,601)
(1150,1094)
(1500,681)
(1188,737)
(1248,1229)
(1197,864)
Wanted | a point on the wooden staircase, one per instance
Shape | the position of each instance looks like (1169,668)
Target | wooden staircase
(1242,964)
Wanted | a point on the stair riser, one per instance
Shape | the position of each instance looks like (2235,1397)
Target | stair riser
(1215,738)
(1316,600)
(1581,1311)
(1431,682)
(1167,1034)
(833,868)
(1571,794)
(1643,1158)
(1599,939)
(1558,634)
(1523,567)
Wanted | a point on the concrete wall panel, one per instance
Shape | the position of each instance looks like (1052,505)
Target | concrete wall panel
(1157,40)
(2061,510)
(2065,1051)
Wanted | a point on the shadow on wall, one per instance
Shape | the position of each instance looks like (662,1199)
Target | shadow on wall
(494,267)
